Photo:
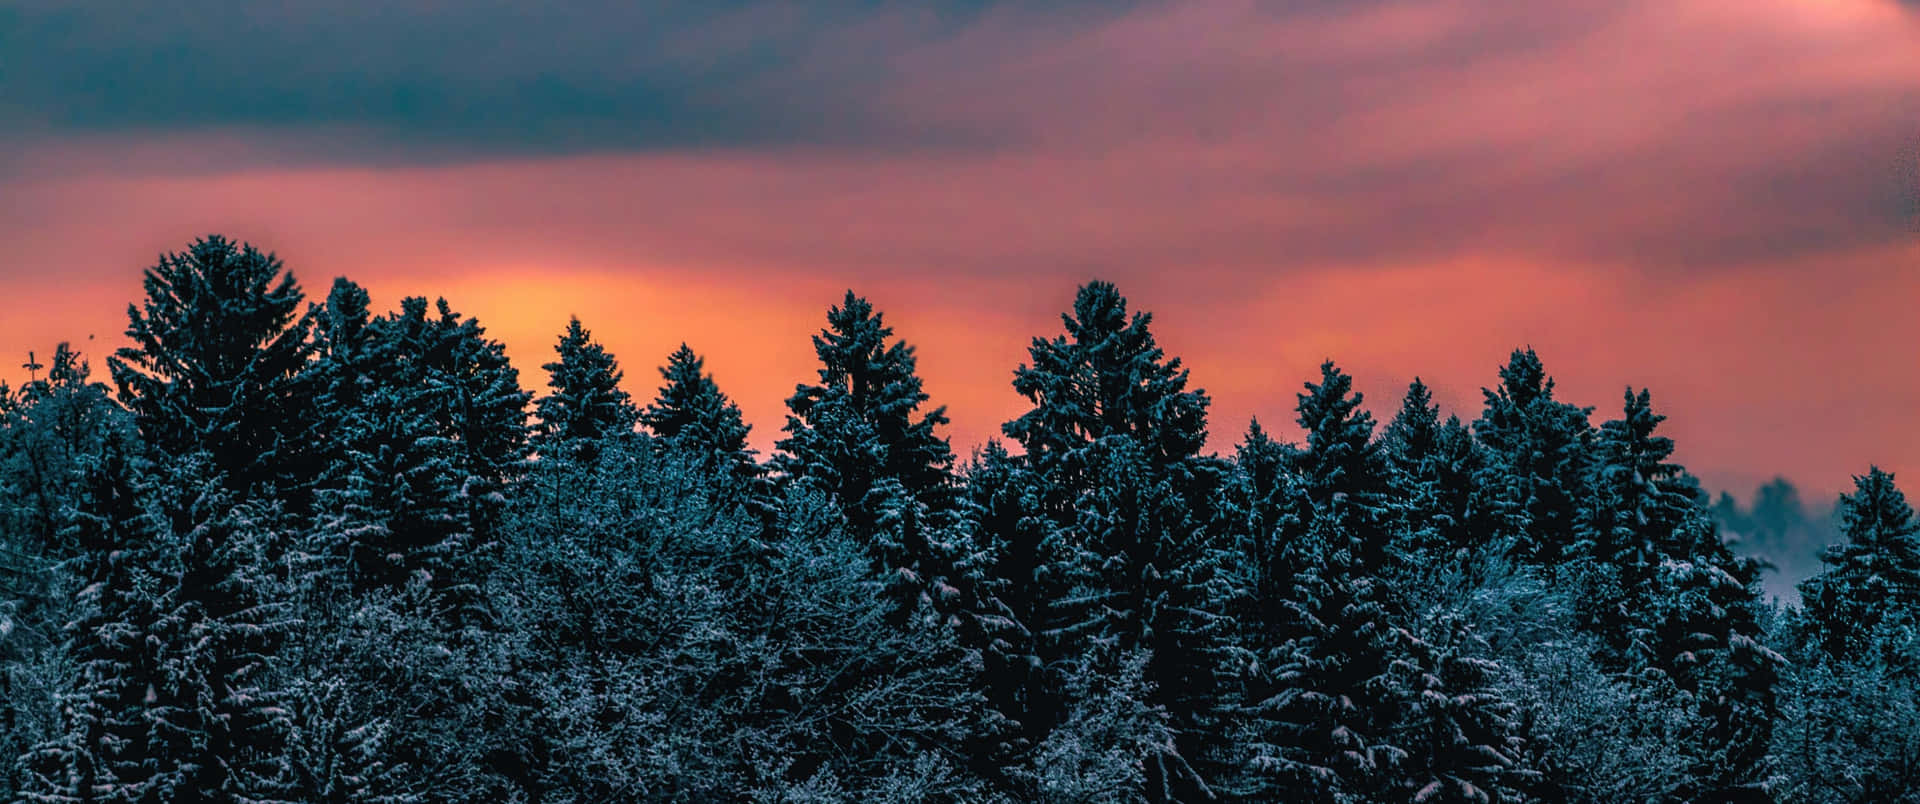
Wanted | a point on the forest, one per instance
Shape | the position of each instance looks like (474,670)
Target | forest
(292,548)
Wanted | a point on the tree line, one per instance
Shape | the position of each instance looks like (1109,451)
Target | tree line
(297,550)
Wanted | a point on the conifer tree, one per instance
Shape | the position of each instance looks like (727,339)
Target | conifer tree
(218,346)
(345,370)
(56,430)
(862,423)
(1123,497)
(1343,702)
(429,424)
(1630,524)
(1539,449)
(1106,376)
(1671,604)
(859,436)
(179,627)
(1433,465)
(587,403)
(691,413)
(1871,578)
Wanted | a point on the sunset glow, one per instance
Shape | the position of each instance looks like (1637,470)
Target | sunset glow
(1717,202)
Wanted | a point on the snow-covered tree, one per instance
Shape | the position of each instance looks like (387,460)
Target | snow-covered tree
(1118,497)
(586,403)
(683,652)
(1433,464)
(690,413)
(1538,447)
(859,436)
(1871,578)
(1343,699)
(861,424)
(218,347)
(177,639)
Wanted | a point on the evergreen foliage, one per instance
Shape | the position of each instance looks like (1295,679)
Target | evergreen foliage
(586,404)
(329,553)
(690,413)
(1874,576)
(219,344)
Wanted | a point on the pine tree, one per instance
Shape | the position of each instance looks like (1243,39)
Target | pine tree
(586,404)
(1630,524)
(1106,377)
(60,427)
(1707,641)
(1433,465)
(177,637)
(218,346)
(1539,446)
(858,436)
(346,368)
(1343,702)
(1871,578)
(1122,499)
(691,413)
(1671,604)
(427,427)
(862,423)
(1342,470)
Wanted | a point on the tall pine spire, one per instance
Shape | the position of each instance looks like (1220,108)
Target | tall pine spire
(692,414)
(218,344)
(586,403)
(861,424)
(1539,447)
(1874,576)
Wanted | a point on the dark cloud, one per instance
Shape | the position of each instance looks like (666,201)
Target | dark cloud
(1230,136)
(486,76)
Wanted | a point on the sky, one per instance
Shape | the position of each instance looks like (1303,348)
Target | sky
(1717,201)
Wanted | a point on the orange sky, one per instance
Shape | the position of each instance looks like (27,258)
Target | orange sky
(1716,201)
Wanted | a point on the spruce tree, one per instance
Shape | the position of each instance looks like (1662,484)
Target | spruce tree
(1672,605)
(1630,524)
(427,426)
(1539,449)
(177,640)
(1433,464)
(218,346)
(862,423)
(1342,701)
(1106,376)
(1122,497)
(859,436)
(692,414)
(1874,576)
(587,403)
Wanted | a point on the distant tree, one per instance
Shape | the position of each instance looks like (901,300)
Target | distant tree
(586,403)
(218,347)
